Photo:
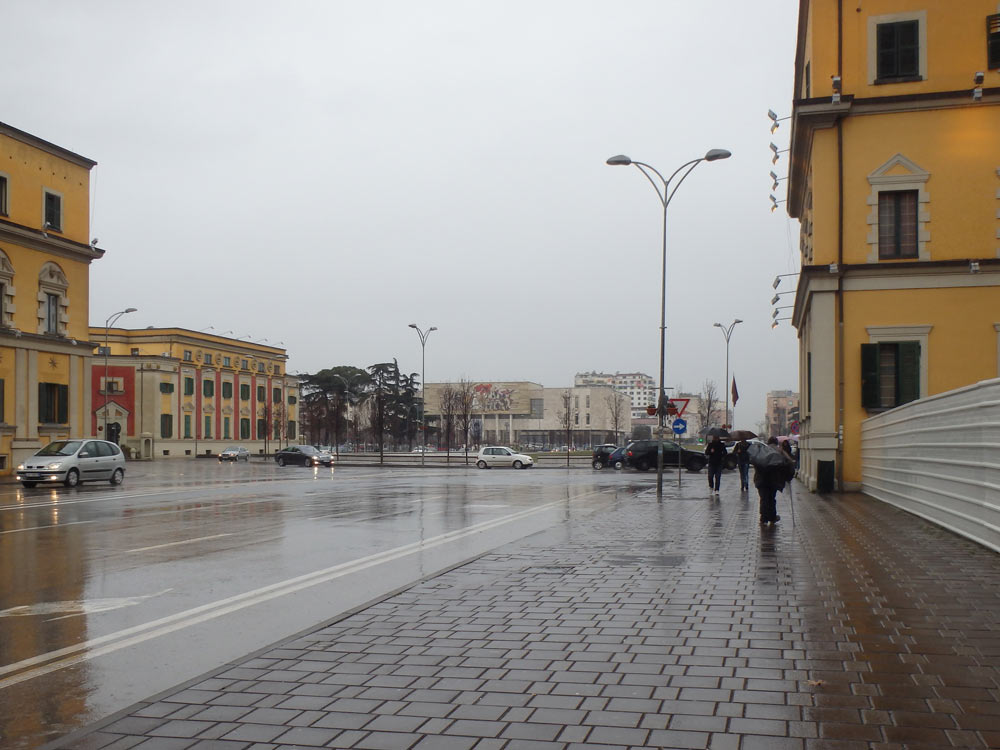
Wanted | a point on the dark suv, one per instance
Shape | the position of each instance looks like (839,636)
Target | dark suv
(641,455)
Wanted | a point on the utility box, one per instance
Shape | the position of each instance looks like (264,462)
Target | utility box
(825,476)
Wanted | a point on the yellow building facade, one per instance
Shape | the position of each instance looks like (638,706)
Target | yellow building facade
(171,392)
(895,179)
(45,257)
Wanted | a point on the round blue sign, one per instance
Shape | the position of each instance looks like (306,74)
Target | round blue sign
(680,426)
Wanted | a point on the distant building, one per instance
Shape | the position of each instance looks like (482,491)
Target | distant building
(45,257)
(640,388)
(167,392)
(782,413)
(528,414)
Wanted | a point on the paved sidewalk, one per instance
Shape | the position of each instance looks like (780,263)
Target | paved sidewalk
(682,624)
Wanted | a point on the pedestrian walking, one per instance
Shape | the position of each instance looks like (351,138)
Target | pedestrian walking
(742,452)
(716,453)
(773,468)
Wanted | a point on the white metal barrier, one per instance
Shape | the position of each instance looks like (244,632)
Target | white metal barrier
(939,458)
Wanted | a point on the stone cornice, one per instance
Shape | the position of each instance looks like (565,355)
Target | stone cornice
(43,145)
(52,244)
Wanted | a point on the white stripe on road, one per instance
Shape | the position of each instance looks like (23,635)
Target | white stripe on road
(53,661)
(175,544)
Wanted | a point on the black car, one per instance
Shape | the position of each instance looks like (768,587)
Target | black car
(608,455)
(641,455)
(302,455)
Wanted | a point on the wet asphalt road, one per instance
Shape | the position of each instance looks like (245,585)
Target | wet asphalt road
(111,594)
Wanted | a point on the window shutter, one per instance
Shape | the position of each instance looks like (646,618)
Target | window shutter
(63,395)
(43,403)
(908,372)
(869,376)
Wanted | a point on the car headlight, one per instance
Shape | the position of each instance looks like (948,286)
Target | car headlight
(20,467)
(56,465)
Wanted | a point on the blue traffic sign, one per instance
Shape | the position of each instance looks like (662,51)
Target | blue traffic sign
(680,426)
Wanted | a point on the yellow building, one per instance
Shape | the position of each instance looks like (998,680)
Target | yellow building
(168,392)
(895,179)
(45,257)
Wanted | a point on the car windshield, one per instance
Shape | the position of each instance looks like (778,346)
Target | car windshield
(308,449)
(60,448)
(231,449)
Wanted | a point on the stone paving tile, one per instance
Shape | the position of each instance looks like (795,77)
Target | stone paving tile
(681,625)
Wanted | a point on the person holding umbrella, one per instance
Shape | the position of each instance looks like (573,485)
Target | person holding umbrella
(716,453)
(742,452)
(773,468)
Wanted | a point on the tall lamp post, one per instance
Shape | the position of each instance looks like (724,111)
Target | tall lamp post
(665,193)
(113,318)
(727,331)
(423,361)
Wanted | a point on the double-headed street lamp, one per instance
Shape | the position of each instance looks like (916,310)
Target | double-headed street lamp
(423,404)
(665,193)
(727,331)
(113,318)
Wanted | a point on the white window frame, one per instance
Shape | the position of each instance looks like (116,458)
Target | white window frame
(52,280)
(881,181)
(7,291)
(920,16)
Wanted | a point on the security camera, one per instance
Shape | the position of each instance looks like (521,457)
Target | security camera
(978,78)
(93,242)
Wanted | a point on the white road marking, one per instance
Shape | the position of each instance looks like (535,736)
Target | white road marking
(47,526)
(53,661)
(78,606)
(176,544)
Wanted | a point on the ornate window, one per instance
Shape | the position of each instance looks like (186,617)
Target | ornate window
(6,291)
(53,300)
(899,211)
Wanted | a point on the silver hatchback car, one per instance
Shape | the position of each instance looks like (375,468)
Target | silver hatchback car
(72,462)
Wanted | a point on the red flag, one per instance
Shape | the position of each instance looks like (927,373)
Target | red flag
(736,393)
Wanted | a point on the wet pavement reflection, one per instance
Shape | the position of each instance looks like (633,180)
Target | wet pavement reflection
(110,594)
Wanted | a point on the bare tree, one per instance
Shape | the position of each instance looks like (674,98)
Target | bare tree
(707,411)
(618,407)
(566,422)
(465,398)
(448,396)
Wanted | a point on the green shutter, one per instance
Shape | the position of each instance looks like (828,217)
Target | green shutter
(43,403)
(869,376)
(62,392)
(907,372)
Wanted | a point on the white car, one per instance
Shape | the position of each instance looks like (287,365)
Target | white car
(72,462)
(500,456)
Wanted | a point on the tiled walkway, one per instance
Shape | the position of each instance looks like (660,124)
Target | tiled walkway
(682,624)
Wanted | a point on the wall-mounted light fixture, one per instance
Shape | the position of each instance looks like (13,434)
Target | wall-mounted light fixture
(973,266)
(779,277)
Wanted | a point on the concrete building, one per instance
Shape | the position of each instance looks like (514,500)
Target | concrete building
(45,257)
(782,413)
(895,180)
(640,388)
(528,414)
(167,392)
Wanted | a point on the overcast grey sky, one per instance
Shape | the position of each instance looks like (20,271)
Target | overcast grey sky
(324,173)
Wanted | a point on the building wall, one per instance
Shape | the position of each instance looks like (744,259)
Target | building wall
(154,368)
(929,135)
(37,261)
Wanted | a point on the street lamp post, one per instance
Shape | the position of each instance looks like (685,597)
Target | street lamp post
(665,194)
(727,331)
(107,325)
(423,361)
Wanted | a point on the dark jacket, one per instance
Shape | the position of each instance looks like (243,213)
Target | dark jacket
(716,453)
(742,452)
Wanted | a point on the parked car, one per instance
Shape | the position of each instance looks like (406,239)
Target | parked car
(502,456)
(234,453)
(72,462)
(302,455)
(641,455)
(601,456)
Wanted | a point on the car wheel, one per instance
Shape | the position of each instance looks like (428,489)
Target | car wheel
(117,477)
(72,478)
(518,465)
(482,464)
(29,485)
(281,461)
(619,465)
(598,464)
(694,465)
(642,465)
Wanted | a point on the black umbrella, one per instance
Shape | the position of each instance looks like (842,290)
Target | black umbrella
(722,432)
